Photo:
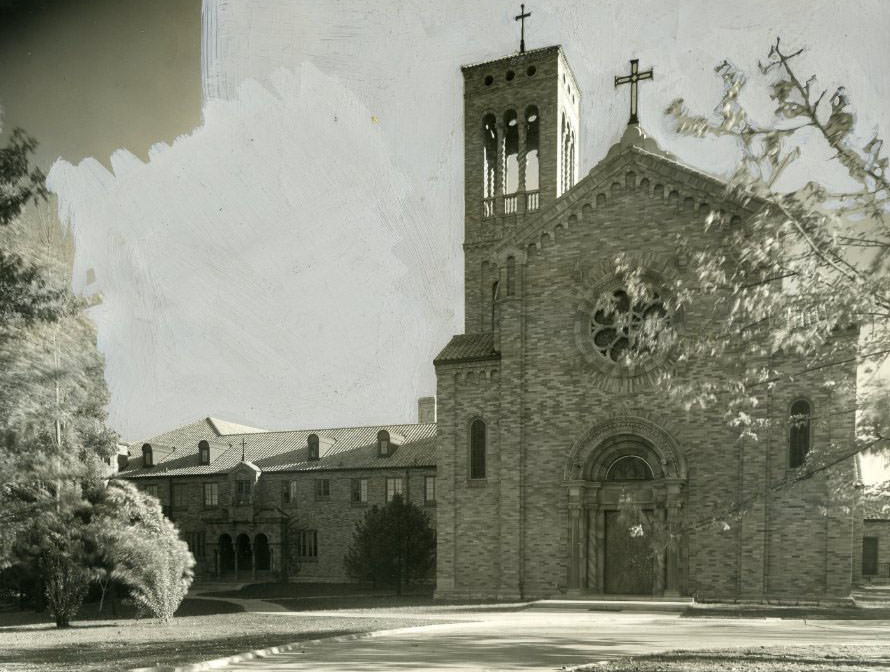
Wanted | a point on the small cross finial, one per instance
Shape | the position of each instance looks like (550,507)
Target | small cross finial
(521,17)
(632,79)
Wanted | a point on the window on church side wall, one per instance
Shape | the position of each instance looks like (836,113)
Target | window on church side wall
(511,276)
(494,298)
(629,468)
(532,142)
(477,449)
(489,156)
(511,152)
(799,442)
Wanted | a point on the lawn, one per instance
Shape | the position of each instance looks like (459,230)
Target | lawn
(28,643)
(773,659)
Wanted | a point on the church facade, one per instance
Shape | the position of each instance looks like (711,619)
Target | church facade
(544,438)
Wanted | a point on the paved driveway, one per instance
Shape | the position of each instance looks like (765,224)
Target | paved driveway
(543,640)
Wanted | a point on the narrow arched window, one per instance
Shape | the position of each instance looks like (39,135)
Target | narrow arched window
(494,298)
(203,452)
(477,449)
(799,442)
(511,152)
(489,156)
(383,443)
(147,458)
(532,142)
(312,443)
(511,276)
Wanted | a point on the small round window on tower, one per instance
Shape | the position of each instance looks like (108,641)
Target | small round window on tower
(510,75)
(531,70)
(488,80)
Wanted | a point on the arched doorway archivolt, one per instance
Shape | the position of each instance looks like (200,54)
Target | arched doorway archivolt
(591,455)
(627,463)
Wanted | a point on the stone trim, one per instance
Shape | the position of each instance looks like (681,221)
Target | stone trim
(672,461)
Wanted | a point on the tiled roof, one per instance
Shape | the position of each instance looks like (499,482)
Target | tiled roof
(468,348)
(341,448)
(876,509)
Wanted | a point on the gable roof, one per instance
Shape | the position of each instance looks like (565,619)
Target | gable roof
(635,152)
(346,448)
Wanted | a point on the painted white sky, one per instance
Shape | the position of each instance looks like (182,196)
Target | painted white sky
(295,260)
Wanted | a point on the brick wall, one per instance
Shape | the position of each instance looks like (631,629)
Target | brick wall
(333,518)
(788,541)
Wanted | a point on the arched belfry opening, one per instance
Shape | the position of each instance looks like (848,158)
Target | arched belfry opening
(625,481)
(532,146)
(489,156)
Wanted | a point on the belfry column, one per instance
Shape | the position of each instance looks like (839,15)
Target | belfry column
(520,157)
(500,169)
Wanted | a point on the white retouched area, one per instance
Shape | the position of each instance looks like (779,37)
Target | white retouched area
(296,260)
(265,266)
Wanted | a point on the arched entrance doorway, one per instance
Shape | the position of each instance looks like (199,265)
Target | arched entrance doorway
(261,550)
(226,553)
(244,552)
(625,482)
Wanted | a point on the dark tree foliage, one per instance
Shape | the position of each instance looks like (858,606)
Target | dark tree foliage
(21,182)
(393,545)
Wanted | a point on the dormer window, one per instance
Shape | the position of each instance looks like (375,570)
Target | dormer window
(147,460)
(203,452)
(312,442)
(383,444)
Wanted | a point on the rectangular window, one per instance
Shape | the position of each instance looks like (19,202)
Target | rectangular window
(429,490)
(288,492)
(307,544)
(151,489)
(180,496)
(211,494)
(393,488)
(359,490)
(196,541)
(322,488)
(242,493)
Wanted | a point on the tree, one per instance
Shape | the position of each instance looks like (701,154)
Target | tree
(136,545)
(52,387)
(811,267)
(393,545)
(54,547)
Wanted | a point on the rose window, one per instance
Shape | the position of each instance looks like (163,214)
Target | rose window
(624,328)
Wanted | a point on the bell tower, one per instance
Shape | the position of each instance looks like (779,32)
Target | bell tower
(521,153)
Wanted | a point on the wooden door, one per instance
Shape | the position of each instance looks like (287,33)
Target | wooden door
(629,567)
(869,556)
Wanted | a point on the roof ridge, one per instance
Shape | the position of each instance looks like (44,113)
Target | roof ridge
(328,429)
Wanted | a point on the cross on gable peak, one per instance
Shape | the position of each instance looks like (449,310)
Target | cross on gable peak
(633,79)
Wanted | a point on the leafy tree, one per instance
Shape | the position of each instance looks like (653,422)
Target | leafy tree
(803,286)
(54,546)
(52,387)
(392,545)
(140,548)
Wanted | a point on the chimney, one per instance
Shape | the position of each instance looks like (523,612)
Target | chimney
(426,410)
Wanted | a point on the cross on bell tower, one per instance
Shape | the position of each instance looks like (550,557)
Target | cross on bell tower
(521,17)
(632,79)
